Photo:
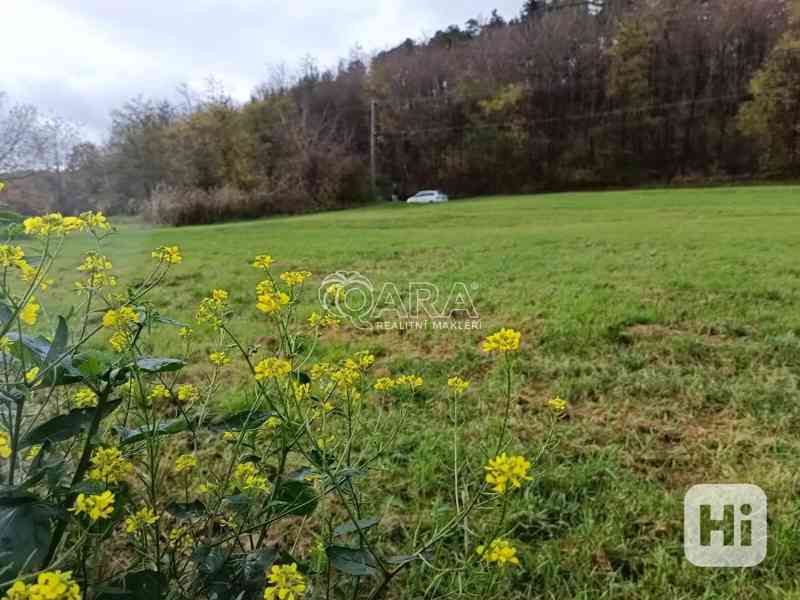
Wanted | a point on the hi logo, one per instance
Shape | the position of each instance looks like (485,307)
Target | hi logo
(725,525)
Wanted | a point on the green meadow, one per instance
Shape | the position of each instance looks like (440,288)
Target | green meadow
(668,319)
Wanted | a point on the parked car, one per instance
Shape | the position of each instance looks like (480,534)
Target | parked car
(427,197)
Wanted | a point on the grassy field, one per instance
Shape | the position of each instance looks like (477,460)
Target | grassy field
(668,319)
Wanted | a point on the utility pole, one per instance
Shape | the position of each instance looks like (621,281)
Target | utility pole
(372,146)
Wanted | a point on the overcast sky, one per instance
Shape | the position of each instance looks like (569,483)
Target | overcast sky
(81,58)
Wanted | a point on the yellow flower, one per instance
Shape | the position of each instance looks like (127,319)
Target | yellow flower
(185,462)
(185,332)
(272,302)
(412,381)
(5,344)
(170,255)
(51,585)
(5,445)
(345,377)
(121,318)
(320,370)
(212,309)
(557,404)
(140,519)
(180,538)
(300,390)
(120,340)
(70,224)
(505,340)
(286,583)
(158,392)
(500,552)
(294,278)
(84,398)
(96,507)
(247,478)
(458,385)
(326,320)
(272,367)
(505,469)
(12,256)
(44,226)
(30,313)
(273,422)
(187,393)
(33,452)
(219,358)
(385,384)
(263,261)
(31,375)
(98,267)
(335,291)
(108,465)
(96,220)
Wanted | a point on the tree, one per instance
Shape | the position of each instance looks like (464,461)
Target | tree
(19,141)
(773,115)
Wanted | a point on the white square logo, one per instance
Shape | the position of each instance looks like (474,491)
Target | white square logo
(725,525)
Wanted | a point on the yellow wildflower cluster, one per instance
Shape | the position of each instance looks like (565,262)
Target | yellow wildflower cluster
(286,583)
(120,321)
(505,340)
(168,255)
(504,470)
(263,261)
(557,405)
(140,519)
(96,507)
(5,445)
(412,382)
(213,308)
(53,224)
(458,385)
(295,278)
(272,368)
(323,321)
(12,256)
(84,398)
(50,585)
(180,538)
(500,552)
(108,465)
(385,384)
(219,359)
(247,478)
(98,270)
(188,393)
(159,392)
(31,375)
(270,300)
(30,312)
(185,462)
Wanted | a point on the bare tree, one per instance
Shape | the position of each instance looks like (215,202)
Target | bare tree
(19,141)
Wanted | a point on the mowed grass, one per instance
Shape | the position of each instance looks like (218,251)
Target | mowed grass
(668,319)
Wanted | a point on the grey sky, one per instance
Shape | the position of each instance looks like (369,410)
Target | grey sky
(81,58)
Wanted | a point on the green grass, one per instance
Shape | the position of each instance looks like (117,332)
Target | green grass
(668,319)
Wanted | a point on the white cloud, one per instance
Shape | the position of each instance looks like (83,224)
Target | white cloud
(81,58)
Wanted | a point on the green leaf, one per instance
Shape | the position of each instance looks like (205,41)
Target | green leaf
(159,365)
(64,427)
(24,536)
(295,498)
(141,585)
(210,561)
(182,510)
(240,421)
(132,436)
(255,564)
(353,561)
(59,344)
(350,526)
(94,363)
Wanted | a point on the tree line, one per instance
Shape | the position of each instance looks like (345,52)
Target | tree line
(569,94)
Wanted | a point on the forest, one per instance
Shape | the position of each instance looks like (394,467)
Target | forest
(567,95)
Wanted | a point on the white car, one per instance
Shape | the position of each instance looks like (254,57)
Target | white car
(427,197)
